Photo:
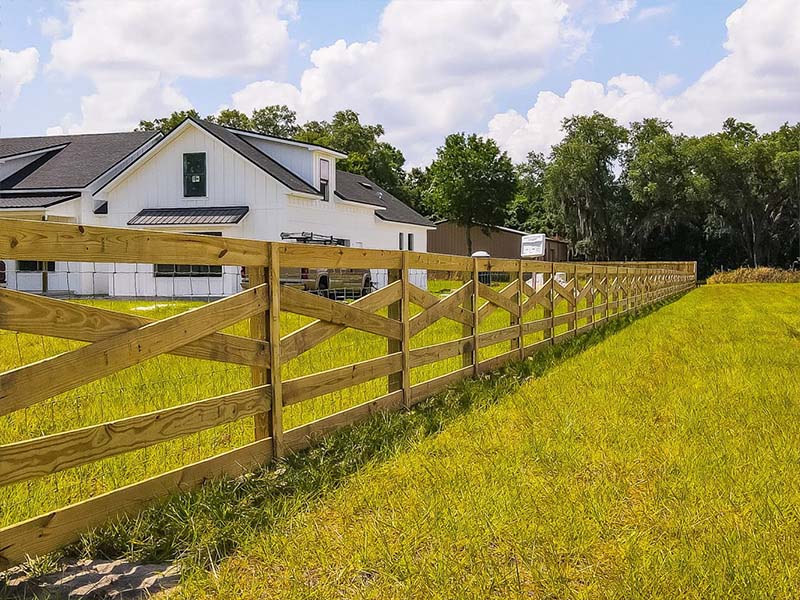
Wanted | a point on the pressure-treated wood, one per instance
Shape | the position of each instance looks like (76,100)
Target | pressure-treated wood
(42,240)
(303,303)
(38,315)
(52,453)
(117,341)
(496,298)
(313,334)
(33,383)
(436,352)
(259,375)
(305,435)
(304,388)
(57,528)
(447,307)
(274,336)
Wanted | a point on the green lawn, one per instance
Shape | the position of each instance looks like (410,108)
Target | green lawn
(660,462)
(168,381)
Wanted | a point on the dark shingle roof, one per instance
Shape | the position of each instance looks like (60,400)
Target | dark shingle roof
(82,159)
(357,188)
(33,200)
(258,158)
(221,215)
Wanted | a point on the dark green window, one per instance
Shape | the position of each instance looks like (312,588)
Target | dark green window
(190,270)
(35,266)
(194,174)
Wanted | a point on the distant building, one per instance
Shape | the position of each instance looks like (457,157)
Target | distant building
(504,242)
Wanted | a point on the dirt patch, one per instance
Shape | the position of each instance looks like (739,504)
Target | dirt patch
(93,580)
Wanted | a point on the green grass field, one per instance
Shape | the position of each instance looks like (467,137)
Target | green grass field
(661,461)
(168,381)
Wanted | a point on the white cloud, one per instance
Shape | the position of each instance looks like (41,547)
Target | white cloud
(674,40)
(16,69)
(667,81)
(654,12)
(434,67)
(758,81)
(52,27)
(136,50)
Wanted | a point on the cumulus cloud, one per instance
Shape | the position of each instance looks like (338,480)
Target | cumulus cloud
(654,12)
(135,51)
(16,69)
(757,81)
(434,67)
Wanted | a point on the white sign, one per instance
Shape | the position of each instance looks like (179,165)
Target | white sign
(533,245)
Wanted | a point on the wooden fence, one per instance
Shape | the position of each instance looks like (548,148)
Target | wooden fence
(569,297)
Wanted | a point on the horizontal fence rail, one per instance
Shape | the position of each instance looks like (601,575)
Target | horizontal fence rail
(493,311)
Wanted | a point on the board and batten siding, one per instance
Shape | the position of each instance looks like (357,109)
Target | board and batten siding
(231,180)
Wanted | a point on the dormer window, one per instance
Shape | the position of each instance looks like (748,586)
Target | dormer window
(194,175)
(324,177)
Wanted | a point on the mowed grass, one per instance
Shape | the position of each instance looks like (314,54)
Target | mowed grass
(169,381)
(660,462)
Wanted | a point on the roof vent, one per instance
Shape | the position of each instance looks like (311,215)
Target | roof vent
(366,185)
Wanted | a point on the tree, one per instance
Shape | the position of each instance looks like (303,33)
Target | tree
(167,124)
(366,154)
(580,182)
(472,183)
(277,119)
(529,211)
(667,219)
(230,117)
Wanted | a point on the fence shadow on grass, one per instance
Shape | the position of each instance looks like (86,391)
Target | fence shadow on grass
(201,528)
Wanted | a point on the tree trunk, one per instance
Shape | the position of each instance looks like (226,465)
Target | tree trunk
(469,240)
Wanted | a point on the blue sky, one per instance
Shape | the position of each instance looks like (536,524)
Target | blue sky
(508,69)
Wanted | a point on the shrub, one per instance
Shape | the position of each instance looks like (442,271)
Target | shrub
(758,275)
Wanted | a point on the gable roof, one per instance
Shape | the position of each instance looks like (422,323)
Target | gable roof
(238,144)
(68,161)
(357,188)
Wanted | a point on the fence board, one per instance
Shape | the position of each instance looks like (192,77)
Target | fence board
(448,307)
(498,299)
(53,453)
(305,435)
(305,338)
(436,352)
(33,383)
(303,303)
(39,315)
(304,388)
(42,240)
(55,529)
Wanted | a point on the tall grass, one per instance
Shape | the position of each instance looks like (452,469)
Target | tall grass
(169,381)
(759,275)
(659,463)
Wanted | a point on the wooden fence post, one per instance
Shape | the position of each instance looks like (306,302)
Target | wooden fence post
(550,312)
(274,330)
(405,316)
(395,311)
(519,342)
(474,308)
(258,331)
(590,298)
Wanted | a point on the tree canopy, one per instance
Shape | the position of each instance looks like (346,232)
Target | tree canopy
(641,191)
(472,183)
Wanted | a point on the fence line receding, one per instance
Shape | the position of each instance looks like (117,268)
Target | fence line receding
(411,343)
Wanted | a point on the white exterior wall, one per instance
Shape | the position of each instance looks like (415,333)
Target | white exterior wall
(232,180)
(294,158)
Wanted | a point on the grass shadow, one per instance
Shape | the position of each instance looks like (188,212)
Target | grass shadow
(201,528)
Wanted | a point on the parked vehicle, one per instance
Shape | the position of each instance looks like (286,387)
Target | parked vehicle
(3,282)
(330,283)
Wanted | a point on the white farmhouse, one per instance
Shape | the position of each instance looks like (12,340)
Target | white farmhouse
(200,178)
